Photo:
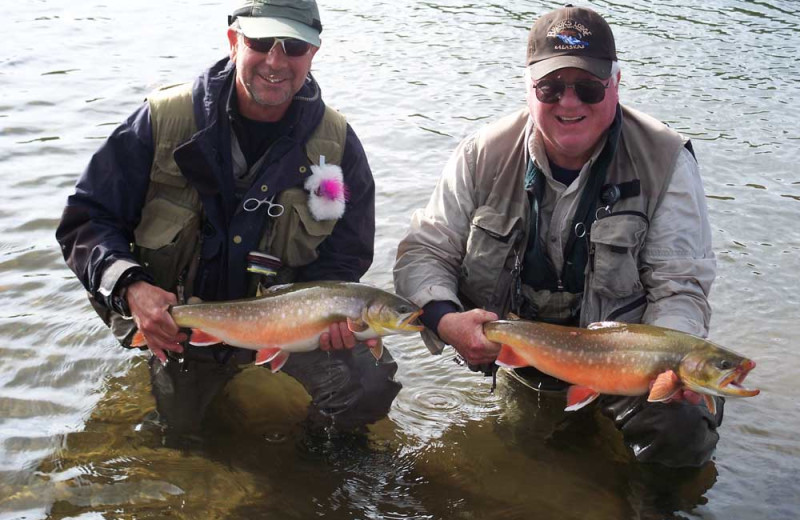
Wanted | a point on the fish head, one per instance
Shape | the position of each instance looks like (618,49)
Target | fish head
(391,314)
(717,371)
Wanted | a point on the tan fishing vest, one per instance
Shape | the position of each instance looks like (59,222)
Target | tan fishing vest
(168,235)
(647,151)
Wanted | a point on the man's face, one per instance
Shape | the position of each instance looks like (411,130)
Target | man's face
(266,82)
(571,128)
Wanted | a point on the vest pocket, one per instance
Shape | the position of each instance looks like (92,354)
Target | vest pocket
(166,238)
(492,235)
(616,242)
(297,234)
(165,170)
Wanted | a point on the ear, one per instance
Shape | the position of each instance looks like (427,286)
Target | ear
(233,42)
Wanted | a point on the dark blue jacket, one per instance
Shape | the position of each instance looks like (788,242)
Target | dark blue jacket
(97,225)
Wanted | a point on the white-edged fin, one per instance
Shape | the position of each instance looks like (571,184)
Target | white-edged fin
(278,361)
(666,385)
(578,397)
(710,404)
(377,350)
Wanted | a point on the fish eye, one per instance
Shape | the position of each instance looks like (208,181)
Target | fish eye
(724,364)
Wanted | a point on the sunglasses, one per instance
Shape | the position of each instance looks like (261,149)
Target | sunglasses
(292,47)
(589,91)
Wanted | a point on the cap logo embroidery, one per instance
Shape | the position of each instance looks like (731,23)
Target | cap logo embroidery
(571,34)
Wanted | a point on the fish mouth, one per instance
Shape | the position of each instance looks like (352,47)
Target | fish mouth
(410,322)
(731,383)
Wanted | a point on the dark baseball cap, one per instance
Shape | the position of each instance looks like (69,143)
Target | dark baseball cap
(279,19)
(571,37)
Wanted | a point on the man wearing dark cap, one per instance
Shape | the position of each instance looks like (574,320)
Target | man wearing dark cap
(206,191)
(574,210)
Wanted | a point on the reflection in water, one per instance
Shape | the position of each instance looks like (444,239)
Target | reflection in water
(530,458)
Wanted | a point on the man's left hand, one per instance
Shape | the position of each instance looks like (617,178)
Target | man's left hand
(340,337)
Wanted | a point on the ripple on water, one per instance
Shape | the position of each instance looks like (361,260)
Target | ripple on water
(428,411)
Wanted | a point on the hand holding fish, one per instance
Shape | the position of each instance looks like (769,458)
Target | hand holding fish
(149,307)
(464,332)
(339,337)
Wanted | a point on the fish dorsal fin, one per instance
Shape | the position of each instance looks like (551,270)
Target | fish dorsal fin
(377,350)
(604,325)
(357,325)
(194,300)
(710,404)
(508,358)
(276,288)
(203,339)
(666,385)
(512,317)
(578,397)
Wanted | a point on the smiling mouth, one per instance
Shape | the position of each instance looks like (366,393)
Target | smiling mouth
(568,120)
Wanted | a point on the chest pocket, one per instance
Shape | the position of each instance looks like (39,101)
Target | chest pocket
(616,241)
(297,235)
(492,236)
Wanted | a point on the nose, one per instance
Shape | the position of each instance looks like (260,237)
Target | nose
(275,56)
(569,97)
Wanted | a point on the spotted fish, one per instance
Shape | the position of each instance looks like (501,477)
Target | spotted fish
(291,318)
(622,359)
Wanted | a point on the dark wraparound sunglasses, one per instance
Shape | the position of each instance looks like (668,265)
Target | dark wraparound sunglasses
(589,91)
(292,47)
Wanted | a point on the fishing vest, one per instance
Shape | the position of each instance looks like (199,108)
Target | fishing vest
(645,156)
(168,238)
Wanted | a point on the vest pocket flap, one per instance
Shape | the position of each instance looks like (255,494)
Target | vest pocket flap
(619,231)
(297,235)
(495,224)
(161,223)
(165,170)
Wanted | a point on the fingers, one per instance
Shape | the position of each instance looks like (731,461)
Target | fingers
(150,309)
(338,337)
(464,331)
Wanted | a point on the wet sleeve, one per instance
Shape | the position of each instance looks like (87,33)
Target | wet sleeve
(96,228)
(347,253)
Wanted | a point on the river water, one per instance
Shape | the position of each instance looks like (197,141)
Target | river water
(413,77)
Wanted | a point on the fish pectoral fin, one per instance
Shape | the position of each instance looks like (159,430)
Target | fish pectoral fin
(138,339)
(666,385)
(578,397)
(508,358)
(272,355)
(711,404)
(377,350)
(357,325)
(203,339)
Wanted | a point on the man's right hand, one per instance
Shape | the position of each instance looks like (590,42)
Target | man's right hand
(149,305)
(464,331)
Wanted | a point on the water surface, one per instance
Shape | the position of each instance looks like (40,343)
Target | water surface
(413,79)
